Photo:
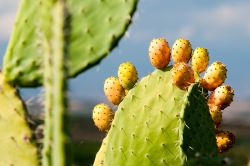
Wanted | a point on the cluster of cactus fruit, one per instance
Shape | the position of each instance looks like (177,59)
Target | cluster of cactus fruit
(170,117)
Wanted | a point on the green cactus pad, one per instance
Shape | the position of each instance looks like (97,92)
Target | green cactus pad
(95,27)
(17,148)
(160,124)
(99,160)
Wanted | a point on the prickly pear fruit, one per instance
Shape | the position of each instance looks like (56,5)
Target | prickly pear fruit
(114,90)
(159,53)
(182,75)
(127,75)
(126,91)
(200,59)
(215,76)
(102,116)
(181,51)
(216,115)
(222,96)
(224,140)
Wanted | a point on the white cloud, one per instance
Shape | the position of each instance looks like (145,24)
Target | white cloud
(219,22)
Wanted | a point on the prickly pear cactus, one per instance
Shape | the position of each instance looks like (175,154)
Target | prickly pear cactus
(56,39)
(23,62)
(16,143)
(169,117)
(164,126)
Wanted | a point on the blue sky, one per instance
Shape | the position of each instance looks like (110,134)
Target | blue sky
(221,26)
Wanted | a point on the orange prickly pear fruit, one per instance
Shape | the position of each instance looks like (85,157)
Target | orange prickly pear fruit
(224,140)
(216,115)
(113,90)
(182,75)
(200,59)
(215,75)
(222,96)
(102,115)
(127,75)
(181,51)
(159,53)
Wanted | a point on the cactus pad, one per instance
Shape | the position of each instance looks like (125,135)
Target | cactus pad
(164,126)
(15,140)
(87,43)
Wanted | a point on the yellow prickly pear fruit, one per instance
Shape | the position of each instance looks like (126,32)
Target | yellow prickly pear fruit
(215,75)
(216,115)
(200,59)
(222,96)
(224,140)
(181,51)
(182,75)
(127,75)
(102,115)
(159,53)
(113,90)
(126,91)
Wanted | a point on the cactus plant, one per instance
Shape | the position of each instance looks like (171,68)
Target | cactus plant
(164,126)
(16,140)
(56,39)
(168,118)
(85,47)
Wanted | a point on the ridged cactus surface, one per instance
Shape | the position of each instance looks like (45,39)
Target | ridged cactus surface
(56,149)
(17,148)
(159,124)
(95,26)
